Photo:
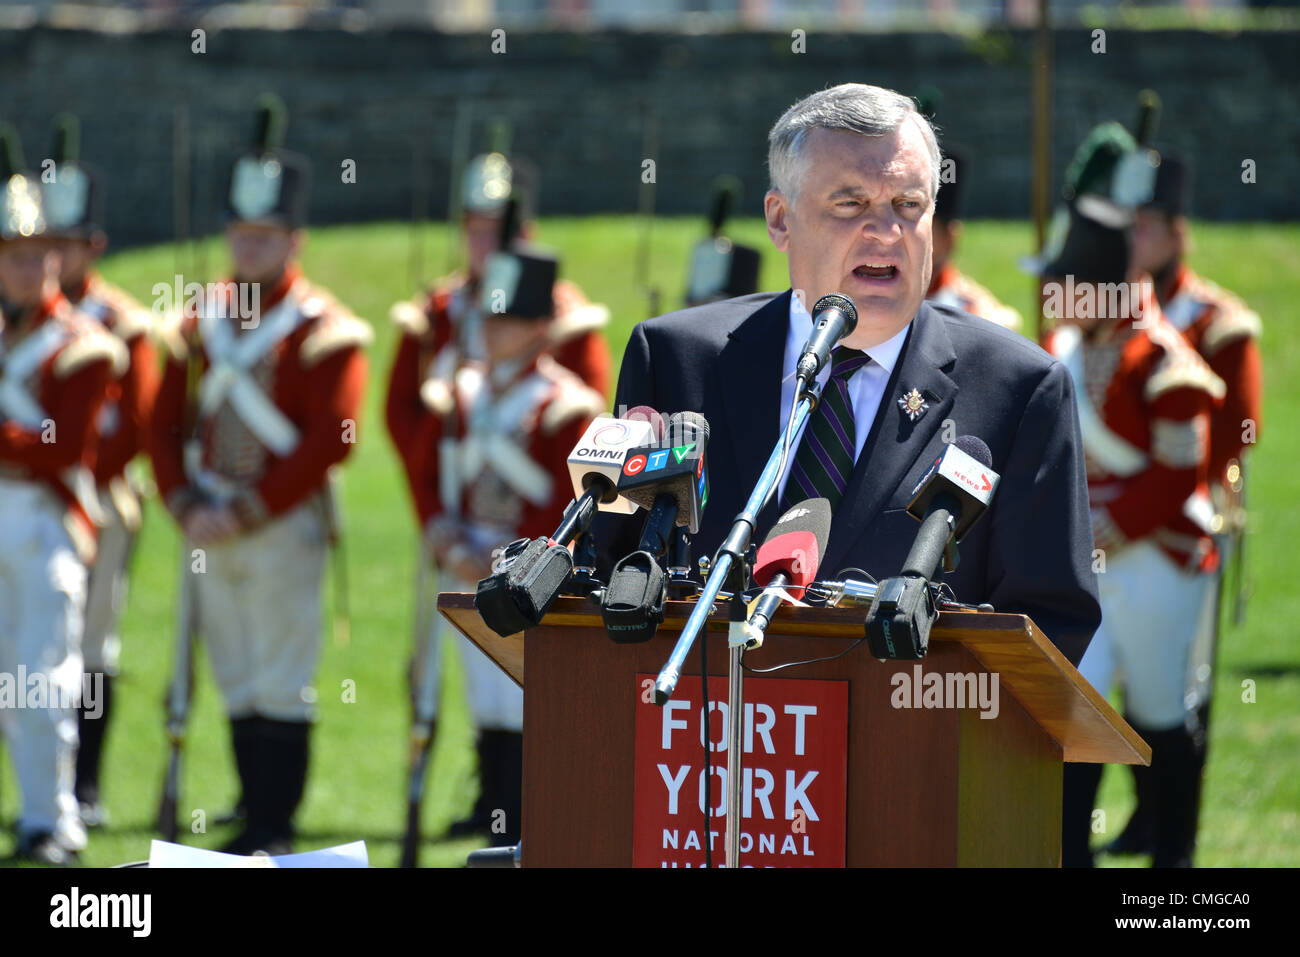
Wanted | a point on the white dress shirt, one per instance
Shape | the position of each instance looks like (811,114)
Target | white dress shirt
(866,385)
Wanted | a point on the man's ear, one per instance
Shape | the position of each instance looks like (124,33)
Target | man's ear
(776,210)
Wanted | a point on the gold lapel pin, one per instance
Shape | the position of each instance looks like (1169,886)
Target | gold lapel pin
(913,404)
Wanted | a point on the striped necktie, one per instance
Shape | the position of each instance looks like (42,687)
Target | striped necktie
(824,462)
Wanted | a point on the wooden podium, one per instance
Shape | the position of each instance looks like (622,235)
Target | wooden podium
(925,787)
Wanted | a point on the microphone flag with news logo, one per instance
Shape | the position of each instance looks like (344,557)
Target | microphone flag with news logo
(964,471)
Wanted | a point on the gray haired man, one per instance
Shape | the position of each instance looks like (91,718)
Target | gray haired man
(855,173)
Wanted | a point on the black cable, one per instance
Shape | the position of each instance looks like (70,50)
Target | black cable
(708,739)
(810,661)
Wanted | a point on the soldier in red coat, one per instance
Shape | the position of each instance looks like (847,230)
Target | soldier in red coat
(1225,333)
(447,326)
(55,370)
(490,466)
(74,202)
(1146,400)
(259,399)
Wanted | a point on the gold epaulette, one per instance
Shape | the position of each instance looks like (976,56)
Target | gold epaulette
(409,317)
(332,332)
(130,319)
(169,331)
(91,344)
(1180,367)
(1230,325)
(572,397)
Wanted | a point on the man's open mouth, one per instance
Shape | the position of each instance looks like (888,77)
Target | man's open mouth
(876,271)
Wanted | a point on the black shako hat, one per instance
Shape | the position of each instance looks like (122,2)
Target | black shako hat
(721,268)
(74,198)
(1091,241)
(269,184)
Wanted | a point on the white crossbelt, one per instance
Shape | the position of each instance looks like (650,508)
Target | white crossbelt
(20,405)
(16,402)
(1111,451)
(489,443)
(229,379)
(1108,449)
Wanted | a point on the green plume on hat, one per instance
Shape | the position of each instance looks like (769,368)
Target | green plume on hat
(67,139)
(11,152)
(1093,167)
(1148,116)
(271,121)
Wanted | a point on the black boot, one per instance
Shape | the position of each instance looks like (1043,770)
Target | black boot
(245,736)
(1079,795)
(285,751)
(480,819)
(1176,762)
(1138,835)
(90,750)
(506,793)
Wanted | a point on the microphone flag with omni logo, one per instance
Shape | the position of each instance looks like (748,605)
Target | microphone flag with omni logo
(600,452)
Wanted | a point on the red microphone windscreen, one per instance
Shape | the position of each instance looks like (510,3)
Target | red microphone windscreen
(796,543)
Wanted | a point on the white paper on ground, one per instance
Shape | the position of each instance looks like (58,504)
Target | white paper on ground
(163,854)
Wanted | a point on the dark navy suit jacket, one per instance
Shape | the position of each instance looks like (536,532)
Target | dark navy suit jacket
(1030,553)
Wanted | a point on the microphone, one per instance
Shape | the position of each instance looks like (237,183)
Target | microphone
(947,501)
(530,574)
(669,481)
(790,555)
(834,317)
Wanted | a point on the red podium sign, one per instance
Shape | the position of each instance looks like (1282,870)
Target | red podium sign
(794,774)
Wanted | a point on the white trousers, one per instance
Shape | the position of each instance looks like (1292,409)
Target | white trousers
(496,703)
(101,646)
(42,604)
(258,602)
(1153,615)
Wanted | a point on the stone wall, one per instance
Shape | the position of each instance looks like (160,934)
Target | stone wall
(388,100)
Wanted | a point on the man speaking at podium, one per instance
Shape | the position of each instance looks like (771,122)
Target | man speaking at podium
(854,175)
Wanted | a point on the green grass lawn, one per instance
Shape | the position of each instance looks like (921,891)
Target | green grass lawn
(356,789)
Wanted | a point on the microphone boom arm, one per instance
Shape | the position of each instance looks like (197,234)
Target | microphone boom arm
(732,549)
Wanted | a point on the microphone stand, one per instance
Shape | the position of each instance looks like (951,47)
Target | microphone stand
(731,567)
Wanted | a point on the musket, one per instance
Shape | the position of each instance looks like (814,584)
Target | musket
(1241,521)
(180,692)
(424,676)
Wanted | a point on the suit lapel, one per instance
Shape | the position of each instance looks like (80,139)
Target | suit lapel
(895,441)
(750,367)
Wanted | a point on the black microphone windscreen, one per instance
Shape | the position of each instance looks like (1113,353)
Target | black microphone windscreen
(835,301)
(681,424)
(976,449)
